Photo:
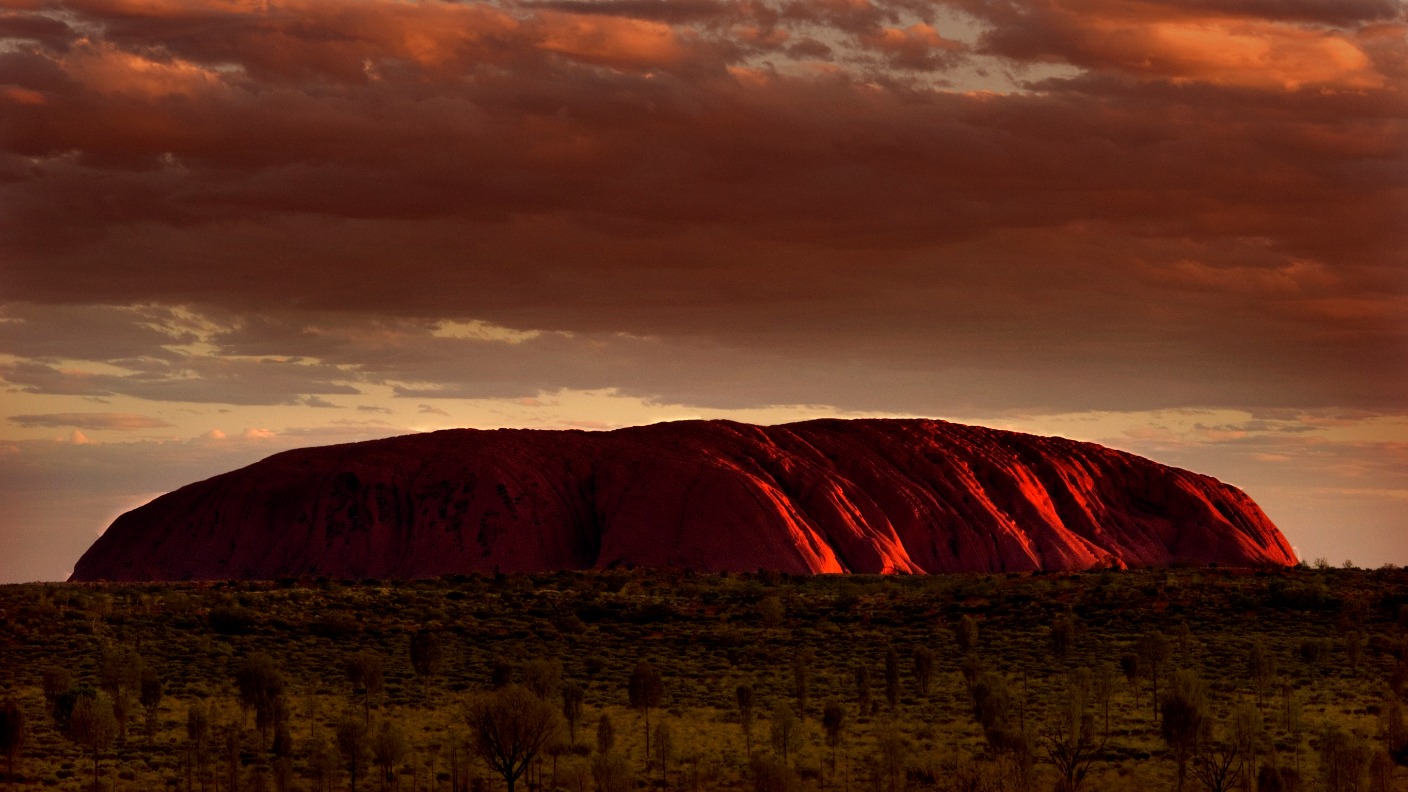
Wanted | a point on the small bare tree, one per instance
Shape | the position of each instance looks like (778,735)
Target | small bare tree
(645,691)
(1219,766)
(508,728)
(389,749)
(786,732)
(353,743)
(1154,651)
(1185,721)
(1071,740)
(93,726)
(261,688)
(365,672)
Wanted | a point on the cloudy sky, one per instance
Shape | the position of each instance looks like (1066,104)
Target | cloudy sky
(231,227)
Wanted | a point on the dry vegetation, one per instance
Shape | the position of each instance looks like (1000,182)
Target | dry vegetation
(1266,680)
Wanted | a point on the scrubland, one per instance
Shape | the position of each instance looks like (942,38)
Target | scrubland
(1266,679)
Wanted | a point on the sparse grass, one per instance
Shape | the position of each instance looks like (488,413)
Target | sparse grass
(706,635)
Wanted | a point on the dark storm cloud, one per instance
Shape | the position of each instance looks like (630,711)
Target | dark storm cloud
(1211,210)
(106,421)
(190,379)
(89,332)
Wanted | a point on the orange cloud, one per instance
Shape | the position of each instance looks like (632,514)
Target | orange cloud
(1192,43)
(107,69)
(1255,55)
(21,96)
(618,42)
(918,46)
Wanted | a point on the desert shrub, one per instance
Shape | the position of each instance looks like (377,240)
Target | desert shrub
(231,620)
(770,774)
(1313,651)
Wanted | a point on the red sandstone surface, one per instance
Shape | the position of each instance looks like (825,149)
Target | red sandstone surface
(905,496)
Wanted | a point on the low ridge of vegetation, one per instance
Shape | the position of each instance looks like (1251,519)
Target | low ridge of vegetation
(1180,679)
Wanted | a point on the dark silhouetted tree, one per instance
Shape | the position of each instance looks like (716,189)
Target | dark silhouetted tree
(966,635)
(1248,736)
(1313,651)
(230,742)
(664,750)
(1129,666)
(892,677)
(802,678)
(508,727)
(197,741)
(1102,689)
(365,672)
(645,691)
(770,775)
(771,611)
(353,743)
(150,696)
(56,681)
(572,709)
(1353,650)
(1395,729)
(610,773)
(1185,721)
(744,696)
(542,676)
(261,688)
(1277,779)
(786,732)
(1218,766)
(1154,651)
(120,675)
(1381,770)
(93,726)
(389,749)
(12,735)
(863,688)
(1183,641)
(1344,761)
(427,653)
(605,734)
(833,721)
(1070,739)
(890,751)
(283,774)
(500,673)
(1261,668)
(1061,636)
(923,658)
(322,764)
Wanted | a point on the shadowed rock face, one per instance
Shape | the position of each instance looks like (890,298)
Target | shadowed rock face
(818,496)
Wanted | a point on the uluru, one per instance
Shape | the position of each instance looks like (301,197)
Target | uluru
(821,496)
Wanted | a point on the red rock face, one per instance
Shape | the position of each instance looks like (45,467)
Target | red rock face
(819,496)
